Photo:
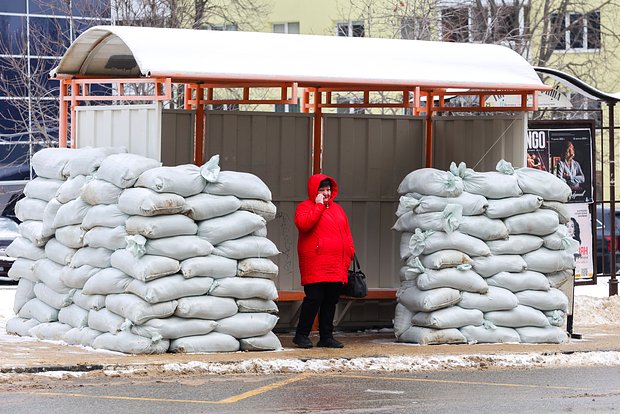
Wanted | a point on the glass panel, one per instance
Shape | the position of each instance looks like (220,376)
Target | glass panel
(557,31)
(13,72)
(279,28)
(293,28)
(13,35)
(594,30)
(358,30)
(342,29)
(50,7)
(13,6)
(455,24)
(41,84)
(49,36)
(14,162)
(91,8)
(576,31)
(11,121)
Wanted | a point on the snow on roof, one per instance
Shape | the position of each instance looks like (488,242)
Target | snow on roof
(183,54)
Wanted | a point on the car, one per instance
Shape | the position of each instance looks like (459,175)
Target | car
(603,239)
(8,233)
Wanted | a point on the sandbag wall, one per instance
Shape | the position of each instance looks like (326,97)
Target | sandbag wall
(485,253)
(119,253)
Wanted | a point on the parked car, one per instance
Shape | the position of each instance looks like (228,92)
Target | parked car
(8,233)
(603,239)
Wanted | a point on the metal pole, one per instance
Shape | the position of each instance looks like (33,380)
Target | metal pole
(613,282)
(318,133)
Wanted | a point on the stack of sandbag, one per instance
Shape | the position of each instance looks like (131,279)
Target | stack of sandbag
(146,260)
(485,255)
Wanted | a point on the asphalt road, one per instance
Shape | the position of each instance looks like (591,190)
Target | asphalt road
(559,390)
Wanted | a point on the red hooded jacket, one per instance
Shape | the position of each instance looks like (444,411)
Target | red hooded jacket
(325,245)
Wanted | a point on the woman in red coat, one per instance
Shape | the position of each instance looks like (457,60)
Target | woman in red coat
(325,249)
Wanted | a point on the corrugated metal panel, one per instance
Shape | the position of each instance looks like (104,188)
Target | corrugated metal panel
(479,141)
(177,137)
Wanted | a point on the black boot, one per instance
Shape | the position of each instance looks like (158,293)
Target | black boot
(329,343)
(302,341)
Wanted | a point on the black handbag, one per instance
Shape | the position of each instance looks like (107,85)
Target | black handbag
(356,288)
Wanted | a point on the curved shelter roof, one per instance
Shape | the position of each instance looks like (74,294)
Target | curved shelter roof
(191,55)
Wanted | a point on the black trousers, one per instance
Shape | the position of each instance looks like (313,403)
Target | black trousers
(322,298)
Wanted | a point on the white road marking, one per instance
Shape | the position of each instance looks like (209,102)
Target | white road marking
(386,392)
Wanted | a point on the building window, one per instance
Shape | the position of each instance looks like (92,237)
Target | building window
(350,100)
(228,27)
(455,24)
(415,28)
(576,31)
(224,107)
(293,108)
(287,28)
(350,29)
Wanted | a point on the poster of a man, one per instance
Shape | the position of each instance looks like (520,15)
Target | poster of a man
(570,153)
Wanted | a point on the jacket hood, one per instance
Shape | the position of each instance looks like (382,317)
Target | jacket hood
(313,186)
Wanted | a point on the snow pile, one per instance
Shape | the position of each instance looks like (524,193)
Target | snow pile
(592,311)
(122,254)
(486,255)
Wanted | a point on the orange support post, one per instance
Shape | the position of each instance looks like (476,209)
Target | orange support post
(74,102)
(317,136)
(429,130)
(200,125)
(62,122)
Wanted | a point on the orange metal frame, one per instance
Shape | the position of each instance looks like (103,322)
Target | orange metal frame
(312,99)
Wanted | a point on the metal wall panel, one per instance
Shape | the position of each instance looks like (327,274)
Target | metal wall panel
(177,136)
(479,141)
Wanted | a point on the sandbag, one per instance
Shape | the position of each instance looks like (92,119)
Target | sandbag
(146,202)
(50,297)
(49,215)
(23,293)
(402,319)
(549,334)
(551,299)
(106,237)
(244,288)
(517,317)
(548,261)
(557,279)
(257,305)
(81,336)
(20,326)
(213,266)
(265,209)
(96,192)
(58,252)
(105,216)
(88,302)
(144,268)
(71,236)
(206,206)
(245,247)
(560,208)
(483,228)
(447,220)
(76,277)
(444,258)
(494,300)
(404,249)
(239,184)
(543,184)
(88,160)
(450,317)
(174,327)
(491,184)
(483,334)
(417,300)
(463,280)
(184,180)
(106,282)
(42,188)
(430,181)
(206,307)
(179,247)
(267,342)
(473,204)
(105,321)
(517,282)
(70,189)
(49,272)
(490,265)
(22,247)
(138,310)
(246,325)
(23,269)
(539,223)
(30,209)
(51,162)
(161,226)
(170,287)
(50,331)
(211,342)
(123,170)
(91,256)
(515,244)
(74,316)
(38,310)
(430,242)
(232,226)
(33,231)
(254,267)
(556,317)
(507,207)
(428,336)
(73,212)
(560,240)
(130,344)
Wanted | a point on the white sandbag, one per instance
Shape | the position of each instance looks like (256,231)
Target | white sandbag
(245,247)
(404,249)
(267,342)
(483,228)
(89,159)
(88,302)
(490,265)
(91,256)
(560,208)
(161,226)
(74,316)
(106,282)
(105,321)
(213,266)
(184,180)
(417,300)
(58,252)
(138,310)
(430,181)
(76,277)
(446,220)
(71,236)
(244,288)
(257,305)
(51,162)
(556,317)
(123,170)
(507,207)
(105,216)
(560,240)
(33,231)
(265,209)
(23,269)
(30,209)
(407,203)
(246,325)
(70,189)
(231,226)
(22,247)
(428,336)
(106,237)
(20,326)
(50,331)
(254,267)
(206,206)
(444,259)
(52,298)
(179,247)
(517,317)
(402,319)
(494,300)
(517,282)
(483,334)
(170,287)
(206,307)
(548,261)
(515,244)
(130,344)
(543,184)
(42,188)
(473,204)
(451,317)
(464,280)
(144,268)
(145,202)
(491,184)
(544,300)
(539,223)
(211,342)
(73,212)
(96,192)
(431,242)
(239,184)
(49,272)
(49,215)
(81,336)
(38,310)
(23,293)
(549,334)
(174,327)
(557,279)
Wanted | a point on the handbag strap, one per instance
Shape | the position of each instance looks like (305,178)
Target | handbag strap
(355,264)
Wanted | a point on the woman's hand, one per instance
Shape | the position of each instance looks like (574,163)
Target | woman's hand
(319,199)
